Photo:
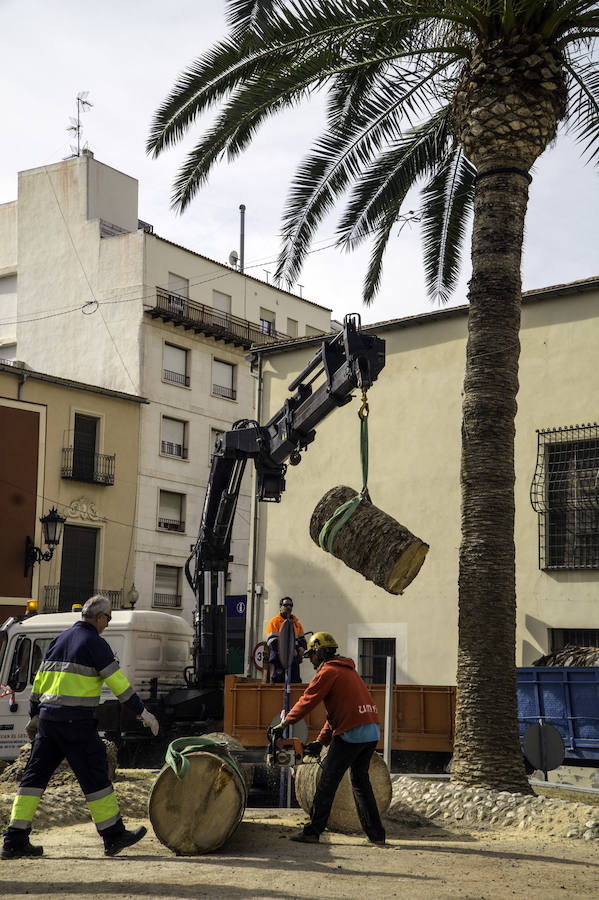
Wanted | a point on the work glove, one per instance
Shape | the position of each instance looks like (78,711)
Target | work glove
(150,721)
(31,727)
(276,731)
(313,748)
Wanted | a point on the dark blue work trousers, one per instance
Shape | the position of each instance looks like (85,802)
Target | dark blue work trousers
(79,743)
(342,756)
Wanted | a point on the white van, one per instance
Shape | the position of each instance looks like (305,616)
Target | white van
(153,648)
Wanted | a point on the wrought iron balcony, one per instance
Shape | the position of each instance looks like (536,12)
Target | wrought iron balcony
(175,377)
(220,390)
(171,307)
(171,524)
(169,448)
(60,598)
(167,601)
(82,465)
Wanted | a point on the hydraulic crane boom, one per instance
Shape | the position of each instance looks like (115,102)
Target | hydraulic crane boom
(349,360)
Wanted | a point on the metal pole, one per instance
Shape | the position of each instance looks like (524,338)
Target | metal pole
(388,711)
(252,607)
(241,236)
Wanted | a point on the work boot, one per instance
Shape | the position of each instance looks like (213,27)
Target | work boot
(303,838)
(18,852)
(125,839)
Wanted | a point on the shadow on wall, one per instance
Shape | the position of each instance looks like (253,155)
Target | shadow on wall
(313,607)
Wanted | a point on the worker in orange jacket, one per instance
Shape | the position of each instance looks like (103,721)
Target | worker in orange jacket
(272,642)
(351,732)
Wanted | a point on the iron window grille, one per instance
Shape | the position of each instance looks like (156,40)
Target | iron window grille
(565,494)
(61,599)
(221,391)
(574,637)
(167,601)
(373,653)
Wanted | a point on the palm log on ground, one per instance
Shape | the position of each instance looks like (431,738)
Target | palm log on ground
(371,542)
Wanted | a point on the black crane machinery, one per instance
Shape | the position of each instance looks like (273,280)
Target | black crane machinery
(349,360)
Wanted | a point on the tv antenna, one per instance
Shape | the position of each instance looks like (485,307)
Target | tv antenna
(83,104)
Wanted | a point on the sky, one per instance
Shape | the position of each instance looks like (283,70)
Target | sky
(128,53)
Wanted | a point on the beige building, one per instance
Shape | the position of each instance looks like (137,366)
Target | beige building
(90,292)
(414,427)
(66,445)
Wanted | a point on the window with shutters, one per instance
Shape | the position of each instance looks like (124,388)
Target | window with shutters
(292,328)
(223,379)
(171,511)
(175,365)
(373,653)
(178,292)
(267,321)
(167,590)
(173,438)
(313,332)
(221,305)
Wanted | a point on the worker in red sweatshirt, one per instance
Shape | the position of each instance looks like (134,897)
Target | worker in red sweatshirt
(351,732)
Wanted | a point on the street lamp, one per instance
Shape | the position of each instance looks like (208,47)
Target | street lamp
(132,596)
(52,524)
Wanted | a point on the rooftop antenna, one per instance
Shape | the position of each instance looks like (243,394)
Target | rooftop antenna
(83,105)
(241,237)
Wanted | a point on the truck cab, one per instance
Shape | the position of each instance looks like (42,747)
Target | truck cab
(153,648)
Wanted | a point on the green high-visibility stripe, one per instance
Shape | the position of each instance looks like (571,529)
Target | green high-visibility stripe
(118,683)
(67,684)
(24,807)
(104,808)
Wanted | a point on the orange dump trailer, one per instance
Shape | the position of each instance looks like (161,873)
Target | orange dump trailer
(423,715)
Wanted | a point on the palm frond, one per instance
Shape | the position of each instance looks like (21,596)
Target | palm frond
(583,117)
(446,200)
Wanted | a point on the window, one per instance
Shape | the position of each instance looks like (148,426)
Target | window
(292,327)
(173,440)
(39,651)
(267,321)
(77,565)
(313,332)
(166,587)
(373,653)
(215,435)
(221,304)
(223,379)
(19,667)
(574,637)
(177,284)
(565,493)
(171,514)
(8,352)
(81,461)
(176,361)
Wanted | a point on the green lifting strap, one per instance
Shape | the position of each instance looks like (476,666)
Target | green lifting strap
(330,529)
(179,748)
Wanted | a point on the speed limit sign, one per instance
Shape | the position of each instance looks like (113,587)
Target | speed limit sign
(258,655)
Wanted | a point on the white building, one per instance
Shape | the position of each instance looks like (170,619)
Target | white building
(88,292)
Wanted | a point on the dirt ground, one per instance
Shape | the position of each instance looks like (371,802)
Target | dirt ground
(259,862)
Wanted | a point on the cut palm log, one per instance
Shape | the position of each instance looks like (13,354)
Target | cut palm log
(198,813)
(371,542)
(344,816)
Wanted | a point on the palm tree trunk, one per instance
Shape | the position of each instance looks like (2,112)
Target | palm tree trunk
(487,748)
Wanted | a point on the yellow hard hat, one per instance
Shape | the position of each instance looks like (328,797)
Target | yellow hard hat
(321,639)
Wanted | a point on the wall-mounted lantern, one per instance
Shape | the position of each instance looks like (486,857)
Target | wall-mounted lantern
(52,524)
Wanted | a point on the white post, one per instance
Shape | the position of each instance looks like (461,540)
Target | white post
(388,712)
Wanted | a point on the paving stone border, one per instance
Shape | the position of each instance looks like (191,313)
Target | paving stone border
(441,803)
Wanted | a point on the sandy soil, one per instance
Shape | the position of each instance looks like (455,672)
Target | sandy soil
(260,862)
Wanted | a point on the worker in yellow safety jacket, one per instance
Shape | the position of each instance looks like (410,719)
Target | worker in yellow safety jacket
(66,691)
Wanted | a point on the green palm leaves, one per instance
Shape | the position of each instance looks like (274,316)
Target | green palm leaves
(390,69)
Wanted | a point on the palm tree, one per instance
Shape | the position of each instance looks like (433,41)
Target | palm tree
(460,97)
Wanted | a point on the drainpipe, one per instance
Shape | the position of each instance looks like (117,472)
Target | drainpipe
(22,381)
(252,605)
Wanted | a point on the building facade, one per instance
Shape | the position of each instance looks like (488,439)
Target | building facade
(415,442)
(66,445)
(89,292)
